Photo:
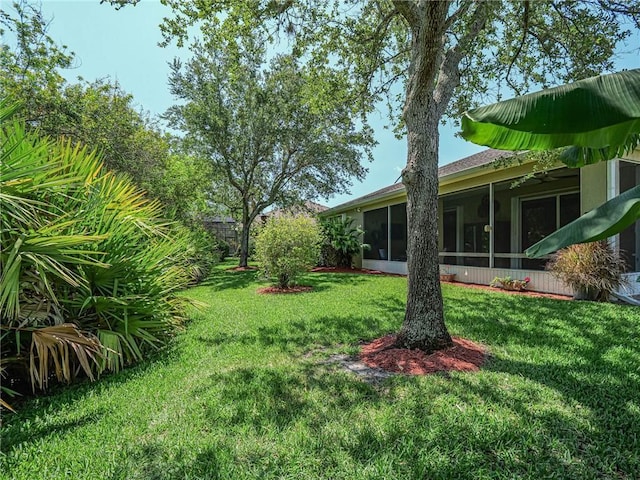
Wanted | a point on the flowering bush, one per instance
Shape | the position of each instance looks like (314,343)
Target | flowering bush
(508,283)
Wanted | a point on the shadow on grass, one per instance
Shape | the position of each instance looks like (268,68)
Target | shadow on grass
(298,335)
(264,399)
(30,430)
(586,352)
(226,279)
(153,461)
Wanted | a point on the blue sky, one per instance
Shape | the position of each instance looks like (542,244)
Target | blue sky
(123,45)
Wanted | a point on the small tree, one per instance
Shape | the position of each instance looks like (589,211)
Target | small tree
(342,240)
(287,246)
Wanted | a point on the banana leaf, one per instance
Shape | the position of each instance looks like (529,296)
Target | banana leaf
(595,119)
(602,222)
(598,117)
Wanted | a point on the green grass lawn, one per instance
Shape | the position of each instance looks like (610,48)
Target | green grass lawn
(243,393)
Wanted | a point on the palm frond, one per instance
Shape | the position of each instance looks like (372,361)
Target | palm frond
(61,346)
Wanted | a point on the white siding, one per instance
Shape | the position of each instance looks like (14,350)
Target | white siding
(540,281)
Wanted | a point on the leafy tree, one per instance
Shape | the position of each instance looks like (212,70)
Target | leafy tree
(274,136)
(287,246)
(99,114)
(30,63)
(446,54)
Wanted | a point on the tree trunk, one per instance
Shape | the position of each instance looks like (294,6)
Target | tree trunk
(244,241)
(423,326)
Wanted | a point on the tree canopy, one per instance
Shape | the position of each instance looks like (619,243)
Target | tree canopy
(276,135)
(98,114)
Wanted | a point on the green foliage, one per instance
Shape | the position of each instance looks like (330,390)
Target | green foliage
(600,223)
(100,115)
(224,248)
(90,271)
(287,246)
(276,134)
(599,117)
(593,269)
(30,61)
(205,252)
(343,240)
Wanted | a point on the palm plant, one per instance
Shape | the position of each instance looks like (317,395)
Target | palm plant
(343,238)
(89,270)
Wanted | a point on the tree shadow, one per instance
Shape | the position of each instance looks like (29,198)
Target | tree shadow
(153,461)
(31,429)
(225,279)
(265,399)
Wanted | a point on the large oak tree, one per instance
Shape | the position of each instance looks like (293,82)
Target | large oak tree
(277,135)
(447,55)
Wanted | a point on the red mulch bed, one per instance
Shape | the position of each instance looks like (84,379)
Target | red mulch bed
(278,290)
(463,356)
(526,293)
(241,269)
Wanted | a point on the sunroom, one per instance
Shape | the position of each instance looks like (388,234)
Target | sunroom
(489,215)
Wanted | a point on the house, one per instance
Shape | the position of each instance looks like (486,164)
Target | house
(307,208)
(224,228)
(485,222)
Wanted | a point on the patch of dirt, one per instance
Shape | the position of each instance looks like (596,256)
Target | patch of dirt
(241,269)
(278,290)
(463,356)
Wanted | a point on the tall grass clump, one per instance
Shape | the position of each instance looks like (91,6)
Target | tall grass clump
(89,270)
(593,270)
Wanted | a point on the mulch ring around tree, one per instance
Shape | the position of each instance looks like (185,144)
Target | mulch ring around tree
(380,359)
(242,269)
(279,290)
(463,356)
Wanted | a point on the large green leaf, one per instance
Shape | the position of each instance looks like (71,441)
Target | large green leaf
(600,116)
(600,223)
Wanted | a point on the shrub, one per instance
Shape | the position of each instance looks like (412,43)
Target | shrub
(90,271)
(287,246)
(223,249)
(593,269)
(204,252)
(341,242)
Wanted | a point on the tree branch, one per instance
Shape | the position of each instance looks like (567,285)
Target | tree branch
(409,11)
(525,29)
(449,74)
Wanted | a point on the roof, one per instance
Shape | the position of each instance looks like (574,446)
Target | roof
(467,163)
(483,158)
(308,207)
